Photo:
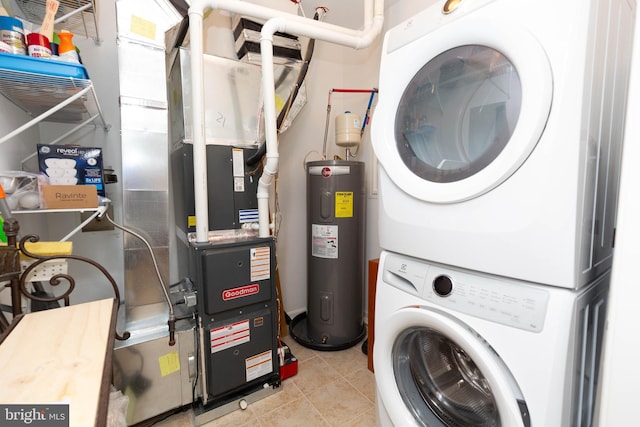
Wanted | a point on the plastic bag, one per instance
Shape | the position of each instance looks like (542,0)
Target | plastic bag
(21,189)
(118,405)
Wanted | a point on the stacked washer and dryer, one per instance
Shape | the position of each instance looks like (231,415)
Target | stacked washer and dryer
(498,132)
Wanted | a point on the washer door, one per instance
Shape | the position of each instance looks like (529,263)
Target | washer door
(461,109)
(435,371)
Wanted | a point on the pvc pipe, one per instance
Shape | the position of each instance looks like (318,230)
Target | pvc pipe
(197,108)
(277,21)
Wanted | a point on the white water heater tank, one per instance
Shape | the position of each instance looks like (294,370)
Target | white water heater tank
(348,128)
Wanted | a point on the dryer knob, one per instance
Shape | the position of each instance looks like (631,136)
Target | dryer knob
(443,285)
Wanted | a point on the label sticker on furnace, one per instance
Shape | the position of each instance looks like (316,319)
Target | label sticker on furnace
(324,241)
(229,336)
(259,365)
(237,155)
(260,263)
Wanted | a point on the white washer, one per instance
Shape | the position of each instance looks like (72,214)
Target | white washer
(498,131)
(454,348)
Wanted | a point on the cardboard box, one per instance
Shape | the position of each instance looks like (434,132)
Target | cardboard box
(69,196)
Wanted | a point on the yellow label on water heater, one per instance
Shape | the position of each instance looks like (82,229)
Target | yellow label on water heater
(344,204)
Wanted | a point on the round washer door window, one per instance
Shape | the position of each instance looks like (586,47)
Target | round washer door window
(438,378)
(433,370)
(458,113)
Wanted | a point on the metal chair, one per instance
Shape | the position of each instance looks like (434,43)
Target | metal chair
(10,270)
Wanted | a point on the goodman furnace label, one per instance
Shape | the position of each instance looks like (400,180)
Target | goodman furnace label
(324,241)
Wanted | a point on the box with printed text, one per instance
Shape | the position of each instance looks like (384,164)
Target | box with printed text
(72,165)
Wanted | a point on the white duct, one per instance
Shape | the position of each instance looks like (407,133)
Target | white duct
(276,21)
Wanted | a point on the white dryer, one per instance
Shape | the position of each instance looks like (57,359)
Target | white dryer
(454,348)
(498,131)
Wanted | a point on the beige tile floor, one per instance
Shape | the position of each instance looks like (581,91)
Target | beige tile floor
(331,388)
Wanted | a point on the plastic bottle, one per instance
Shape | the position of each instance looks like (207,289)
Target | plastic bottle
(54,43)
(66,49)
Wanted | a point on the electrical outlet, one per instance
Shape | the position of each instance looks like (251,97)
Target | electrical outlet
(98,224)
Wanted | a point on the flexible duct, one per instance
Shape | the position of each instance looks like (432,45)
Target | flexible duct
(277,21)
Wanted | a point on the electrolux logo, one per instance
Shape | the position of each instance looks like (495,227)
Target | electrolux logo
(242,291)
(34,415)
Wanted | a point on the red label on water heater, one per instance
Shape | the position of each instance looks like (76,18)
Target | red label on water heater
(242,291)
(326,172)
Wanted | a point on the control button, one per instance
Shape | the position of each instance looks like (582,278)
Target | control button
(443,285)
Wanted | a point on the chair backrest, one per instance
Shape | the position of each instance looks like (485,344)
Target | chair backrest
(11,271)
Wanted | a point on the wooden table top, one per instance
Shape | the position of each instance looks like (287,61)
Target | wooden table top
(63,356)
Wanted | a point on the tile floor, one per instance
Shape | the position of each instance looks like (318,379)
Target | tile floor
(331,388)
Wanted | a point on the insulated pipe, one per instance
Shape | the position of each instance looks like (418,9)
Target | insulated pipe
(277,21)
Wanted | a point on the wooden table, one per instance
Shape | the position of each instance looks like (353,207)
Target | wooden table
(63,356)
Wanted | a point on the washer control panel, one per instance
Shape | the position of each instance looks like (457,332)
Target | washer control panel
(509,302)
(515,304)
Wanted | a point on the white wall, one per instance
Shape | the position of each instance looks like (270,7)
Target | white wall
(19,147)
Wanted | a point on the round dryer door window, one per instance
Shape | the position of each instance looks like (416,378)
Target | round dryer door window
(458,113)
(460,109)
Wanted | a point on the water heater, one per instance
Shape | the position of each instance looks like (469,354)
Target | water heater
(335,256)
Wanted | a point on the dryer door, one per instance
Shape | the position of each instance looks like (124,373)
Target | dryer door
(440,373)
(461,108)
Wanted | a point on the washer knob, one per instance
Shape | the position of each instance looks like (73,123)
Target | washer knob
(443,285)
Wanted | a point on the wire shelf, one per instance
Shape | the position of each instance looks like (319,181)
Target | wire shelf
(37,93)
(76,16)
